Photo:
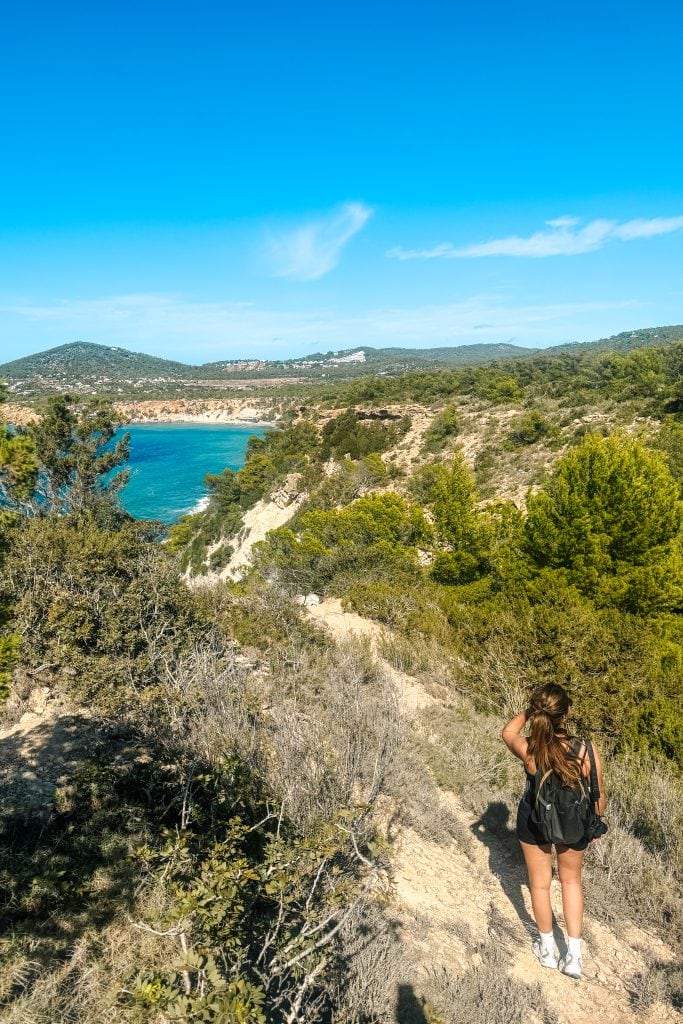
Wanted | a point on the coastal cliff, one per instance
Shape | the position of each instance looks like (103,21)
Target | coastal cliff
(260,412)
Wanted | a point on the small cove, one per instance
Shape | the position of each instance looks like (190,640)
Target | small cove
(168,463)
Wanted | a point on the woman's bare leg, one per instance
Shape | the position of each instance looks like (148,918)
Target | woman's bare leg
(540,870)
(570,864)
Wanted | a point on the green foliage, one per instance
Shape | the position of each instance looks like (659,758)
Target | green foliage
(244,894)
(609,520)
(443,428)
(449,492)
(375,536)
(73,440)
(669,439)
(18,474)
(500,389)
(373,519)
(617,667)
(346,435)
(638,374)
(107,603)
(529,429)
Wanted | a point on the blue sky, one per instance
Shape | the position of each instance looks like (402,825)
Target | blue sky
(206,181)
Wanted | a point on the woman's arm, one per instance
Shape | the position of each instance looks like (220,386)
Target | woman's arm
(512,738)
(602,802)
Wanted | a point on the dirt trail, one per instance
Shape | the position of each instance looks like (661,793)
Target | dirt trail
(445,895)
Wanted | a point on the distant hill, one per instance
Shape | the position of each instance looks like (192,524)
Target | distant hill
(84,367)
(645,337)
(351,361)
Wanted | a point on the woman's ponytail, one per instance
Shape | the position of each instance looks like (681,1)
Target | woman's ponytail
(547,738)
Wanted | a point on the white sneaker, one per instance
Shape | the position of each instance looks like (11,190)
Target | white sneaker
(571,966)
(544,956)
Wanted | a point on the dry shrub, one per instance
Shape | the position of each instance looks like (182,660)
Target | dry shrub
(374,966)
(82,988)
(658,983)
(418,802)
(634,872)
(334,743)
(623,881)
(485,993)
(413,656)
(322,733)
(463,751)
(646,797)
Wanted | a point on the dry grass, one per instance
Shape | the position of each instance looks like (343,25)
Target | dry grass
(81,988)
(485,993)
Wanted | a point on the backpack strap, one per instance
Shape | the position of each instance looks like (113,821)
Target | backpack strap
(539,784)
(594,787)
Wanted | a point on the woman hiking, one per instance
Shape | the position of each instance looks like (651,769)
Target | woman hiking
(561,786)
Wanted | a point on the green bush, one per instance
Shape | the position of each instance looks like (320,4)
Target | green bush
(106,603)
(375,537)
(441,430)
(529,429)
(346,435)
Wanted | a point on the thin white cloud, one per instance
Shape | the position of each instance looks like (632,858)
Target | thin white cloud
(171,325)
(564,238)
(312,250)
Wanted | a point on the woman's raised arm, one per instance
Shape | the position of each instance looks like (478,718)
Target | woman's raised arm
(512,735)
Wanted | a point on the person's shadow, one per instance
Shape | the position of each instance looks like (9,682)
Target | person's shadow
(506,862)
(409,1009)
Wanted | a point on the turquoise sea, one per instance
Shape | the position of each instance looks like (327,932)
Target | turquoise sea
(168,462)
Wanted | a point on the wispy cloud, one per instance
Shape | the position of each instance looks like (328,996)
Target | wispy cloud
(313,249)
(171,325)
(563,237)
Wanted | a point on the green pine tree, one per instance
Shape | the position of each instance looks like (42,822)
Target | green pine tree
(609,521)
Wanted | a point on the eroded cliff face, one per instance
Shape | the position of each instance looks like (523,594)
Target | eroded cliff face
(209,410)
(171,410)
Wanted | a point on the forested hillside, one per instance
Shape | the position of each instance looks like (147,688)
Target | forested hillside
(239,762)
(89,369)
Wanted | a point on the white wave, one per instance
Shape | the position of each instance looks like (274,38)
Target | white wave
(201,505)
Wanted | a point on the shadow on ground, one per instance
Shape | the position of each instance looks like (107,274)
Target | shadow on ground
(409,1009)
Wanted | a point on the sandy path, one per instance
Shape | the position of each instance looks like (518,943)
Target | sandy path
(445,895)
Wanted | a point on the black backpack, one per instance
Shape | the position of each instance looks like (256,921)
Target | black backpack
(565,814)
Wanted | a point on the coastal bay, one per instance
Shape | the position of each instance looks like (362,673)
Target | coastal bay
(169,461)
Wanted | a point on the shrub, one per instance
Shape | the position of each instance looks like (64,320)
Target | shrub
(346,436)
(444,426)
(499,389)
(107,603)
(529,429)
(374,537)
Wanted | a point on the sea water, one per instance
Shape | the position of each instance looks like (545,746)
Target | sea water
(168,463)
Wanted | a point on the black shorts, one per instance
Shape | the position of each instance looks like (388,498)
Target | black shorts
(528,833)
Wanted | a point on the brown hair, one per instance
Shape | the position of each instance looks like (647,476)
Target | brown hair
(547,742)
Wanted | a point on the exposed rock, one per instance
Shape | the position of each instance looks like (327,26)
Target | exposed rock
(38,699)
(288,492)
(311,599)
